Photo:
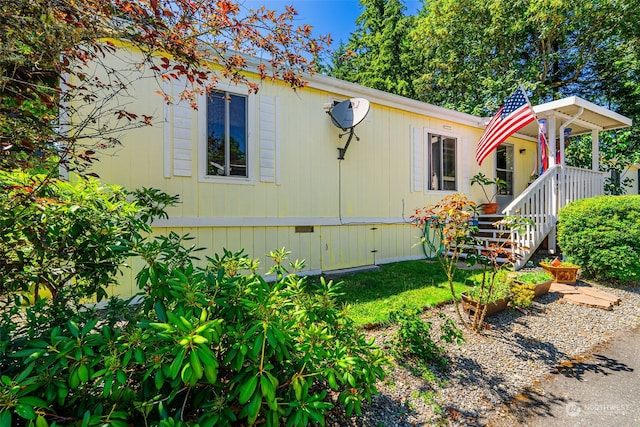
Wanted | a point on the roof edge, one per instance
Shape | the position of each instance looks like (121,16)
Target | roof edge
(587,105)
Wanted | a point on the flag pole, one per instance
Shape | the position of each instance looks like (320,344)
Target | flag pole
(524,92)
(513,115)
(538,148)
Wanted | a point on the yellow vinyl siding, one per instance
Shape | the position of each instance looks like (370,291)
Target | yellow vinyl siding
(342,200)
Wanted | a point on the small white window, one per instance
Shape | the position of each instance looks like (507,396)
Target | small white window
(227,134)
(442,163)
(225,126)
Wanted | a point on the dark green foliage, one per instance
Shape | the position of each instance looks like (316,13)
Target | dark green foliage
(54,232)
(379,54)
(618,150)
(213,345)
(414,336)
(602,236)
(272,358)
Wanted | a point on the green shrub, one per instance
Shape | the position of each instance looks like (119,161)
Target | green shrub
(53,233)
(602,236)
(213,345)
(414,336)
(203,347)
(522,294)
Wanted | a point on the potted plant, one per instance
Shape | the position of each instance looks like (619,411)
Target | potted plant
(449,220)
(480,300)
(538,281)
(491,206)
(495,260)
(475,213)
(562,271)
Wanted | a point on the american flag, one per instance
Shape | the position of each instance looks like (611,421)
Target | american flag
(544,148)
(515,114)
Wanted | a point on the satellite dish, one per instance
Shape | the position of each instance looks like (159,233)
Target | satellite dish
(346,115)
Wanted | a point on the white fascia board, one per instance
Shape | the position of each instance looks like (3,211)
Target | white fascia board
(352,90)
(331,84)
(588,106)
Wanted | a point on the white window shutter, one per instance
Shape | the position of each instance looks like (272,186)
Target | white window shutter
(166,145)
(178,140)
(467,162)
(417,160)
(269,139)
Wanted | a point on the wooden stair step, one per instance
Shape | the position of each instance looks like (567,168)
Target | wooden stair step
(490,236)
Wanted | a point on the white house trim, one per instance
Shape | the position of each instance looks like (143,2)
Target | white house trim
(272,222)
(331,84)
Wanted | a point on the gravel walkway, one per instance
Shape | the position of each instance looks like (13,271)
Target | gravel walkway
(492,368)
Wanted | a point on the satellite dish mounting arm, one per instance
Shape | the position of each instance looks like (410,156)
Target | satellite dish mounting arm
(343,150)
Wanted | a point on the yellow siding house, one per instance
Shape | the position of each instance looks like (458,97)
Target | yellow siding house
(260,172)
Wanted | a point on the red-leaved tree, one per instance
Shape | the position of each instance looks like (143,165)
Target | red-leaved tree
(55,62)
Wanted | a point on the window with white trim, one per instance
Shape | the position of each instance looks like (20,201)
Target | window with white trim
(227,134)
(442,162)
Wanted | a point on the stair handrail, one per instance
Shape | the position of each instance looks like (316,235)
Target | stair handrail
(542,200)
(538,202)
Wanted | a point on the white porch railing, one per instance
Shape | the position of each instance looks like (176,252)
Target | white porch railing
(542,200)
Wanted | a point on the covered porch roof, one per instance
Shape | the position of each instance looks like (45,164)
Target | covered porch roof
(581,116)
(588,116)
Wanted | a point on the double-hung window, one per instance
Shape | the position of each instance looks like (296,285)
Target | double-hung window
(442,162)
(227,135)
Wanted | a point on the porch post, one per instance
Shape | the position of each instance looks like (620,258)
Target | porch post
(595,150)
(551,139)
(551,132)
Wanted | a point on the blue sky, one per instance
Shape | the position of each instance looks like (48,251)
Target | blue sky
(336,17)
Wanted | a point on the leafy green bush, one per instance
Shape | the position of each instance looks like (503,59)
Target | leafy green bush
(501,288)
(213,345)
(53,233)
(602,236)
(522,294)
(414,336)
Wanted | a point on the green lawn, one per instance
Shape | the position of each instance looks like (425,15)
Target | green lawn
(371,296)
